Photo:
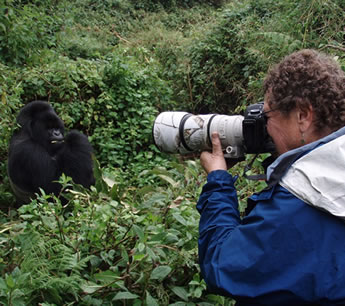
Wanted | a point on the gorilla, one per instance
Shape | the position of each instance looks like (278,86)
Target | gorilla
(40,152)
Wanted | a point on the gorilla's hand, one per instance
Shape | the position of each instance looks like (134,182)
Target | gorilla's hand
(76,159)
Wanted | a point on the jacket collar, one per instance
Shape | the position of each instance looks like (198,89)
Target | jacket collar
(279,167)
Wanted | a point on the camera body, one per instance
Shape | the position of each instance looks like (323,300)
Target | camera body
(255,136)
(184,133)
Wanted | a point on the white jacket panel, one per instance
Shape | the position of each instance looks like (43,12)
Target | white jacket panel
(318,178)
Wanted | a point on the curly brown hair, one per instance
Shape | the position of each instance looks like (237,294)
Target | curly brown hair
(308,77)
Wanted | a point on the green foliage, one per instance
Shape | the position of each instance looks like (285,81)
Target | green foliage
(155,5)
(227,67)
(25,31)
(107,246)
(169,37)
(9,101)
(297,25)
(85,42)
(61,79)
(221,64)
(125,111)
(108,67)
(113,100)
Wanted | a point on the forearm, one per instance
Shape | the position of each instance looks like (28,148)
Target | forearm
(218,206)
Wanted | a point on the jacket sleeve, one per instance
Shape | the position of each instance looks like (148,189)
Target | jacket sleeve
(218,207)
(270,257)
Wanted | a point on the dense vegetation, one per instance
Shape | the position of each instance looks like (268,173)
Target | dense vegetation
(109,67)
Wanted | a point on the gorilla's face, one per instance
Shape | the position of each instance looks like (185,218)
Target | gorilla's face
(48,130)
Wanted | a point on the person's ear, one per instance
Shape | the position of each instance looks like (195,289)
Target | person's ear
(305,118)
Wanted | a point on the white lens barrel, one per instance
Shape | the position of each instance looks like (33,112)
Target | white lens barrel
(181,132)
(166,132)
(195,132)
(230,133)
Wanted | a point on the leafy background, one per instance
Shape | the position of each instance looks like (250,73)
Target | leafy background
(109,67)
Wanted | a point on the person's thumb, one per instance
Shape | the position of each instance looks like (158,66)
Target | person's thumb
(216,144)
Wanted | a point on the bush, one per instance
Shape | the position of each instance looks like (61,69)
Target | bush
(9,101)
(155,5)
(227,67)
(125,111)
(108,67)
(25,31)
(107,246)
(221,65)
(114,101)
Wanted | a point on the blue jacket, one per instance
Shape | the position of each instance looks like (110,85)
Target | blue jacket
(289,250)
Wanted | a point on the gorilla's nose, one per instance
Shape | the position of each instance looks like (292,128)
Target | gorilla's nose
(57,135)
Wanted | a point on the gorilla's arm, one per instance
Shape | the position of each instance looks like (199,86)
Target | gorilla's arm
(76,159)
(31,167)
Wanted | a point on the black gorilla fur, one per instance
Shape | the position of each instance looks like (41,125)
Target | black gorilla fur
(39,153)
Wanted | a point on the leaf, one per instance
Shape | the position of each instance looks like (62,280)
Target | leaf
(110,182)
(169,180)
(139,257)
(180,219)
(90,288)
(124,255)
(49,221)
(2,284)
(150,301)
(139,231)
(3,27)
(160,272)
(106,276)
(125,296)
(181,292)
(151,254)
(145,190)
(141,247)
(10,282)
(198,292)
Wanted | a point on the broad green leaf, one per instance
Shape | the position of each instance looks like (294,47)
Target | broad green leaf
(106,276)
(198,292)
(125,296)
(141,247)
(139,257)
(90,288)
(160,272)
(181,292)
(180,219)
(10,282)
(169,180)
(49,221)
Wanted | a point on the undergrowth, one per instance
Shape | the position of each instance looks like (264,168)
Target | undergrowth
(109,67)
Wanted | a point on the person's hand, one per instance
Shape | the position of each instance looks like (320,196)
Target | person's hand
(214,160)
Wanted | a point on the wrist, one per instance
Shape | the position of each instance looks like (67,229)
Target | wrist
(219,174)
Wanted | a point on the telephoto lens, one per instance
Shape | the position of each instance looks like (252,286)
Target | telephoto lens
(184,133)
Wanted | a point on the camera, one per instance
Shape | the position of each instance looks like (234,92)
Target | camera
(185,133)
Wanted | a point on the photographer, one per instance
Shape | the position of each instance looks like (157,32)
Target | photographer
(290,249)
